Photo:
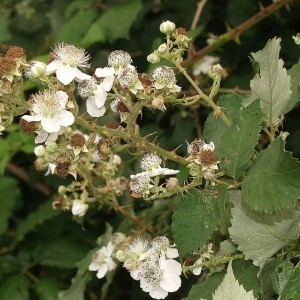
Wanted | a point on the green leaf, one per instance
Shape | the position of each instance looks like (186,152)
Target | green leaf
(9,195)
(231,289)
(47,289)
(60,253)
(76,290)
(292,286)
(294,72)
(234,144)
(246,274)
(113,24)
(271,85)
(215,128)
(272,183)
(205,289)
(280,277)
(40,215)
(15,288)
(259,235)
(197,215)
(73,30)
(9,264)
(239,140)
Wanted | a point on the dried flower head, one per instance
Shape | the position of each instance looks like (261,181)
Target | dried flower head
(119,60)
(164,78)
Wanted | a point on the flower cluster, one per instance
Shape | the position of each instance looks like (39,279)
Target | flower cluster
(153,264)
(140,183)
(104,259)
(203,155)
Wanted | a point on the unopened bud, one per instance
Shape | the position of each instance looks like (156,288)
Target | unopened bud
(167,27)
(153,58)
(62,189)
(37,69)
(172,183)
(120,255)
(158,102)
(51,148)
(162,48)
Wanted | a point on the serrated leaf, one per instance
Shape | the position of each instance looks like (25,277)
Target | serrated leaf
(40,215)
(197,215)
(9,194)
(239,140)
(76,290)
(259,236)
(107,29)
(15,287)
(294,72)
(246,274)
(272,183)
(271,85)
(214,128)
(292,287)
(281,275)
(231,289)
(234,144)
(205,289)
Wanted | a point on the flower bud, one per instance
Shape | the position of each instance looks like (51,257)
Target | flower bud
(158,102)
(37,69)
(51,148)
(62,189)
(79,208)
(167,27)
(172,183)
(40,151)
(153,58)
(121,256)
(162,48)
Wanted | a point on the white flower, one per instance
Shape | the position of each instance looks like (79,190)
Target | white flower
(150,164)
(67,61)
(79,208)
(48,107)
(164,78)
(140,184)
(102,261)
(44,136)
(119,60)
(129,79)
(204,64)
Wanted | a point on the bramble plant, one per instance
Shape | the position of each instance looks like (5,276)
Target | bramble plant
(215,218)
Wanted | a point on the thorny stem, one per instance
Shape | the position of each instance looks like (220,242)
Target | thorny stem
(212,263)
(234,34)
(209,100)
(138,142)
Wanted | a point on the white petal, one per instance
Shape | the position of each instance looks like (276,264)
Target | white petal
(93,266)
(158,293)
(29,118)
(172,252)
(197,271)
(146,286)
(104,72)
(65,118)
(102,271)
(93,110)
(99,97)
(107,83)
(170,282)
(53,66)
(63,97)
(80,76)
(50,125)
(66,74)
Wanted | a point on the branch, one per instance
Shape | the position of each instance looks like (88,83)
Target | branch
(234,34)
